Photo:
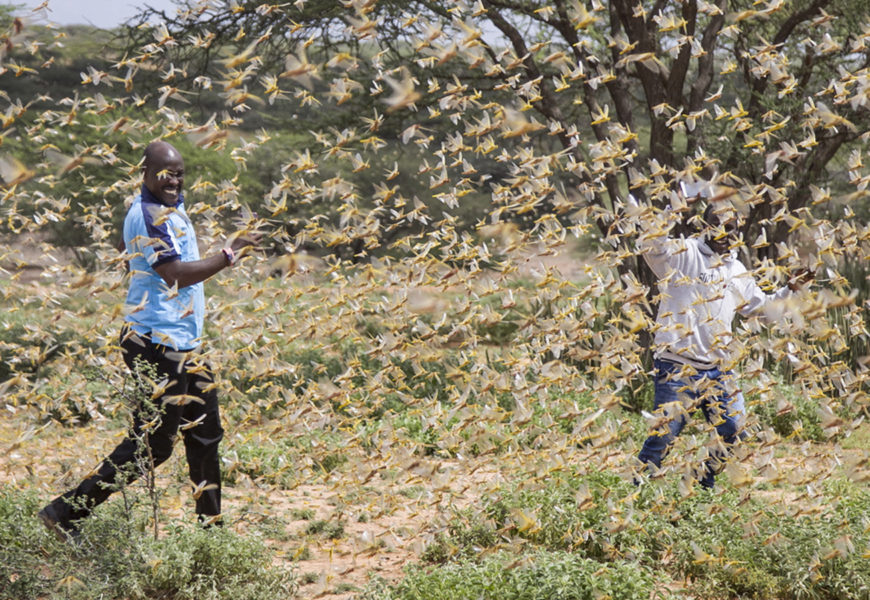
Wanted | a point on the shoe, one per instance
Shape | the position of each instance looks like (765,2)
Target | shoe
(61,527)
(209,521)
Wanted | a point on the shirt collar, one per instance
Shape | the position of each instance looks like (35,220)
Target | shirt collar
(147,196)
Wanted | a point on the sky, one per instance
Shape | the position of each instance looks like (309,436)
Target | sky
(101,13)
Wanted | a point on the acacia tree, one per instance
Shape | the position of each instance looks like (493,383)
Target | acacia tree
(769,94)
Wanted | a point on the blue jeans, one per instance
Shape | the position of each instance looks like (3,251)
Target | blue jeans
(676,397)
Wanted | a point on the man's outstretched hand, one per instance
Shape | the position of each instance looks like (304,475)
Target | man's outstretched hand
(245,241)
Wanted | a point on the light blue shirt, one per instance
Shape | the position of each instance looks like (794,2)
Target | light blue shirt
(155,234)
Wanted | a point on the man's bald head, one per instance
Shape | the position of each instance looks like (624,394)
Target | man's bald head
(159,151)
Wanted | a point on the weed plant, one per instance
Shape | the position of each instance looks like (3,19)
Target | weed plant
(466,538)
(591,515)
(268,462)
(799,416)
(755,551)
(330,530)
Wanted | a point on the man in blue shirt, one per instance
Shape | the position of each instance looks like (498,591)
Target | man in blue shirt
(160,341)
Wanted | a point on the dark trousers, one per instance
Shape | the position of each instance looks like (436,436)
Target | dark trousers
(187,402)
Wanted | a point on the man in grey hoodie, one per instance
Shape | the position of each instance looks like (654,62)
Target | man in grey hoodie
(703,285)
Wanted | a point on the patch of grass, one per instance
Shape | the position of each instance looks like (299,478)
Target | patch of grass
(792,412)
(302,514)
(331,461)
(591,515)
(331,530)
(417,430)
(25,347)
(278,460)
(85,394)
(726,544)
(274,528)
(755,551)
(309,577)
(466,537)
(271,462)
(859,439)
(412,491)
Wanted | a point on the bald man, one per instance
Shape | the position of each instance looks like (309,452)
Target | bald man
(160,342)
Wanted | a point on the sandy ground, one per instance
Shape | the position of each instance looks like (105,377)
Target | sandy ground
(387,517)
(387,514)
(386,522)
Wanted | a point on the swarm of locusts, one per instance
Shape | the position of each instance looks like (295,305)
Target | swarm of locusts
(461,243)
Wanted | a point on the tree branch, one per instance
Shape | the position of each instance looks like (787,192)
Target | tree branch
(654,83)
(618,87)
(680,67)
(704,77)
(796,19)
(548,105)
(758,84)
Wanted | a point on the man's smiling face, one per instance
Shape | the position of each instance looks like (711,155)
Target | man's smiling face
(164,175)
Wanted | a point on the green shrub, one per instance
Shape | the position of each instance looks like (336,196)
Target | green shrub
(193,562)
(415,428)
(270,462)
(538,575)
(758,550)
(797,413)
(328,529)
(594,515)
(726,545)
(466,537)
(302,514)
(118,557)
(21,535)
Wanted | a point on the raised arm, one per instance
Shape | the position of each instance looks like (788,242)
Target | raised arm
(661,233)
(756,299)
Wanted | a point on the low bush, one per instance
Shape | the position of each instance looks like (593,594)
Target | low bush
(117,557)
(794,414)
(466,538)
(593,515)
(539,575)
(758,550)
(723,544)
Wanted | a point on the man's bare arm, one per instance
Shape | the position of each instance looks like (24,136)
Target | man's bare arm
(183,274)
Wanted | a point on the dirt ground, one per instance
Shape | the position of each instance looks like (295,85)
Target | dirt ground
(386,518)
(385,522)
(385,527)
(388,514)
